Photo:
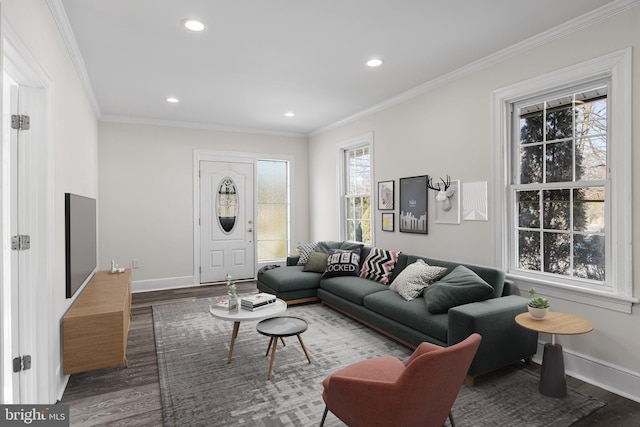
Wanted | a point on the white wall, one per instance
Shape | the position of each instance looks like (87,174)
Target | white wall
(448,131)
(73,142)
(146,194)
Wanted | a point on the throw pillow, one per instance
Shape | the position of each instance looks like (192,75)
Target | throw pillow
(342,263)
(411,281)
(304,250)
(461,286)
(327,246)
(317,262)
(379,265)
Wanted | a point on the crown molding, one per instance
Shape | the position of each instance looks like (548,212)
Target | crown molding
(61,20)
(538,40)
(196,125)
(600,14)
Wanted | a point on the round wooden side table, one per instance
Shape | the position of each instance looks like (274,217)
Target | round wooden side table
(552,375)
(280,327)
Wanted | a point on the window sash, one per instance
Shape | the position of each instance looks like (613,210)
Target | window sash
(356,190)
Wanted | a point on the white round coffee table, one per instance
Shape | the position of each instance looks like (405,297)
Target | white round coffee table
(240,315)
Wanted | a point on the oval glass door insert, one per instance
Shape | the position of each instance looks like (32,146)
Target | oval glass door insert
(227,202)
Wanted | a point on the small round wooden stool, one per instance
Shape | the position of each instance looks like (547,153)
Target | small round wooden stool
(280,327)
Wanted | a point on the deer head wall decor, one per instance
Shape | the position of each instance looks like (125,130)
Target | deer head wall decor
(444,194)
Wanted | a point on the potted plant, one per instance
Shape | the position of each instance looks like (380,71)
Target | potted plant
(538,306)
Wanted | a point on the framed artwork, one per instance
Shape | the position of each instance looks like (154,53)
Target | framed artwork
(474,201)
(448,205)
(386,195)
(413,205)
(388,222)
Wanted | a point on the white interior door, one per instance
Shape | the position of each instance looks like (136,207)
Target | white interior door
(227,244)
(20,327)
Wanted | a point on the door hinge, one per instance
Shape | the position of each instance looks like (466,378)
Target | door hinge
(21,363)
(20,122)
(20,242)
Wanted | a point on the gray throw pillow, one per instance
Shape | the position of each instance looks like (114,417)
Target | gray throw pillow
(461,286)
(317,262)
(411,281)
(326,246)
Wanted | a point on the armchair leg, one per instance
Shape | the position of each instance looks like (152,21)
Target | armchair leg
(451,420)
(324,416)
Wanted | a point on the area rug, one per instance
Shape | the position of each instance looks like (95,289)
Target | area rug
(199,388)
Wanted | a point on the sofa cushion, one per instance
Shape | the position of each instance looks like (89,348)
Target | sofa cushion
(326,246)
(413,314)
(317,262)
(342,263)
(351,288)
(461,286)
(411,281)
(379,264)
(304,250)
(286,279)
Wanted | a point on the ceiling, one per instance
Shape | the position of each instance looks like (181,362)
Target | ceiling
(258,59)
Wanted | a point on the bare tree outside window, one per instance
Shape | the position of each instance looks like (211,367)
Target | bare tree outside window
(560,190)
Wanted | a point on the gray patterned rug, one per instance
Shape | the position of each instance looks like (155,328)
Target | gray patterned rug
(199,388)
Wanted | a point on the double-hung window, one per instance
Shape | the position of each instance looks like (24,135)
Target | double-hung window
(559,185)
(562,190)
(356,193)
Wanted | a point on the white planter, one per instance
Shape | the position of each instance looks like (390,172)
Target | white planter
(537,313)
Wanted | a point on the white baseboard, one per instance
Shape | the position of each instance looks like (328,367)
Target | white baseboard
(163,284)
(602,374)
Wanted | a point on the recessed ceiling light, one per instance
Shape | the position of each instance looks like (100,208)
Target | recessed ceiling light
(289,114)
(194,25)
(374,62)
(173,100)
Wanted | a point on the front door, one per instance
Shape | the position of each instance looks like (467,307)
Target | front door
(226,221)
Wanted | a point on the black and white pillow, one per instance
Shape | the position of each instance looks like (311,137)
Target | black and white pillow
(342,263)
(304,250)
(379,265)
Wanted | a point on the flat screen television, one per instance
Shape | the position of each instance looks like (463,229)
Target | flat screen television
(80,241)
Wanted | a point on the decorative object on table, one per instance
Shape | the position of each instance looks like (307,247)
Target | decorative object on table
(386,195)
(447,200)
(258,301)
(231,287)
(226,304)
(388,221)
(115,268)
(474,201)
(538,306)
(413,205)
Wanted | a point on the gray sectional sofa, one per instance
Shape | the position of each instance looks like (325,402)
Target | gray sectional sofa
(411,322)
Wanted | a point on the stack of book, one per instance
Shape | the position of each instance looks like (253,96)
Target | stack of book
(258,301)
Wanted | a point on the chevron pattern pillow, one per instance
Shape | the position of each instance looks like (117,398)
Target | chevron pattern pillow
(379,265)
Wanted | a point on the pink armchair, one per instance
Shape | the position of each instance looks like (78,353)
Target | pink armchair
(384,391)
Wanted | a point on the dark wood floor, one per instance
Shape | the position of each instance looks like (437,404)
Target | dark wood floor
(131,396)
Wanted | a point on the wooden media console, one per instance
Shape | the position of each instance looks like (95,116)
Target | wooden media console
(96,326)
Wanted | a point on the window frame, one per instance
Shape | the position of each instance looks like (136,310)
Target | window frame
(615,67)
(365,140)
